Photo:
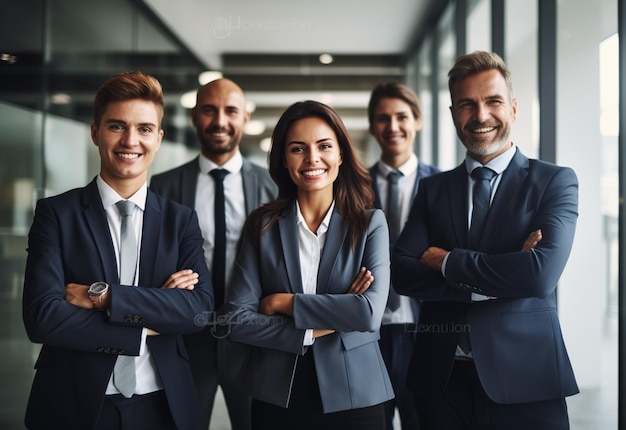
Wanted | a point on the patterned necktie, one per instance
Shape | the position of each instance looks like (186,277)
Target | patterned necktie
(124,377)
(393,219)
(481,199)
(219,252)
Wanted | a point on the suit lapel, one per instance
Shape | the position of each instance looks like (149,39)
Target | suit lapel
(509,185)
(149,239)
(288,234)
(250,186)
(189,182)
(374,176)
(96,219)
(458,200)
(335,237)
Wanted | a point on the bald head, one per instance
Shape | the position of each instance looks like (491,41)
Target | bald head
(220,117)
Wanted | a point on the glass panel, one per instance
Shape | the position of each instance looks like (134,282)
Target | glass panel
(521,57)
(448,142)
(479,25)
(587,109)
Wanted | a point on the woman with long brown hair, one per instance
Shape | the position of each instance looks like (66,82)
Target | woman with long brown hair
(310,283)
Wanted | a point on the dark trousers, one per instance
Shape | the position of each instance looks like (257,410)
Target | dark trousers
(140,412)
(210,369)
(305,408)
(465,406)
(396,346)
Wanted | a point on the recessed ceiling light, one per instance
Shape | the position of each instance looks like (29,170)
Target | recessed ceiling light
(254,127)
(265,144)
(208,76)
(188,100)
(326,59)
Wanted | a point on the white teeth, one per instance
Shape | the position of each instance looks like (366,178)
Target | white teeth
(483,129)
(128,156)
(313,172)
(219,134)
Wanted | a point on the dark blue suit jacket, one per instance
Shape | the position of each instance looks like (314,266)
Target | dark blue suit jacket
(423,170)
(69,241)
(516,339)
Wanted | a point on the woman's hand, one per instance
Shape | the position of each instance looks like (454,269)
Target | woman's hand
(362,282)
(277,303)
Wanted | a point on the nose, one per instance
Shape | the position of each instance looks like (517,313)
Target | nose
(130,137)
(394,125)
(219,119)
(482,112)
(312,156)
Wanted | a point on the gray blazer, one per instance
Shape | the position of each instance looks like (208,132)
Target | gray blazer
(349,365)
(181,182)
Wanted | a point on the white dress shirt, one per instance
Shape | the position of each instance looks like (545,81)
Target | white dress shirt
(235,206)
(310,246)
(148,379)
(406,187)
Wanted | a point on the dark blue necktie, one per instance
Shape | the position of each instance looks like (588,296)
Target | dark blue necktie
(219,252)
(481,199)
(393,219)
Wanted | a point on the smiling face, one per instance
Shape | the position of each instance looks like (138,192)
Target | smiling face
(483,111)
(220,117)
(128,137)
(312,155)
(394,126)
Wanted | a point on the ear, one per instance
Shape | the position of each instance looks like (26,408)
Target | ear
(418,124)
(94,133)
(514,108)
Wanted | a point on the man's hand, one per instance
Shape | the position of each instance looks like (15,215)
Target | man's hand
(76,294)
(362,282)
(277,303)
(433,257)
(185,279)
(533,239)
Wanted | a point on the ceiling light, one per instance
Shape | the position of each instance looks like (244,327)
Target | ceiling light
(265,144)
(208,76)
(60,99)
(255,127)
(326,59)
(188,100)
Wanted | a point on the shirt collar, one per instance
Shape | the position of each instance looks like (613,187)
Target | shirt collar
(109,196)
(325,222)
(407,168)
(498,164)
(233,165)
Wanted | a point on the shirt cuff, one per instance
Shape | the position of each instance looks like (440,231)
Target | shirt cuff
(144,335)
(443,264)
(308,337)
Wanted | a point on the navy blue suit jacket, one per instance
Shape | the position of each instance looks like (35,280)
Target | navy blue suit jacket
(516,339)
(423,170)
(70,241)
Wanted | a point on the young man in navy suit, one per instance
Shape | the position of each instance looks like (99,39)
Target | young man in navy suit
(489,351)
(220,116)
(395,118)
(109,292)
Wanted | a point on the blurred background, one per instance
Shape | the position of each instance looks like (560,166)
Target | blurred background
(563,54)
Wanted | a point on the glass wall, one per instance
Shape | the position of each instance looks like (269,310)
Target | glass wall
(53,56)
(587,105)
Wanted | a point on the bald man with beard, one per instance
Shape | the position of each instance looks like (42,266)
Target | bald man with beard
(219,118)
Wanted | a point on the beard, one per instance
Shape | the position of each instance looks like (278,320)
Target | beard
(482,146)
(211,147)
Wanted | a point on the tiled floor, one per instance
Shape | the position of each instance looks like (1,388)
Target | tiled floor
(592,409)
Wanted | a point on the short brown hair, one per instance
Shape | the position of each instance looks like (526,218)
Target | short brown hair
(393,90)
(477,62)
(128,86)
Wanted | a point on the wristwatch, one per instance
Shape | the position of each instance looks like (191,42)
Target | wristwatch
(96,293)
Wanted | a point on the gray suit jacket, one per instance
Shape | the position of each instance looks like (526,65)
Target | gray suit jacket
(180,184)
(349,365)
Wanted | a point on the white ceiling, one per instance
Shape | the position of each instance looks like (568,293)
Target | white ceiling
(243,38)
(211,28)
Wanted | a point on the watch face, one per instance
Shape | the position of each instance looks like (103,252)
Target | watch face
(98,288)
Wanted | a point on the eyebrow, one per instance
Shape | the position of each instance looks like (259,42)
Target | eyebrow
(121,121)
(298,142)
